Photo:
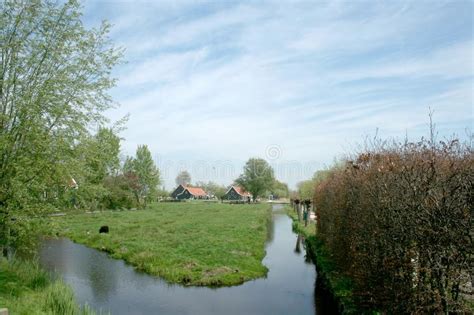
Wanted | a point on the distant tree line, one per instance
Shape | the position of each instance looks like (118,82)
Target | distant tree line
(305,189)
(397,219)
(257,178)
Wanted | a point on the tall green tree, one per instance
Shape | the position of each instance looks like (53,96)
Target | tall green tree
(147,174)
(128,166)
(98,156)
(258,177)
(54,78)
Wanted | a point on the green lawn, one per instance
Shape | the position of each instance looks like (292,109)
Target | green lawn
(189,243)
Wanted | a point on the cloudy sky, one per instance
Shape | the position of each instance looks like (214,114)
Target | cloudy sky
(210,84)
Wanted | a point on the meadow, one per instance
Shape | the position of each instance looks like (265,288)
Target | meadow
(191,243)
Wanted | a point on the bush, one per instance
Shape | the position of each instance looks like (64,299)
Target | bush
(119,193)
(397,220)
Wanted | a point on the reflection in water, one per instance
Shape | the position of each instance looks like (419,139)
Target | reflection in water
(111,285)
(103,280)
(298,244)
(85,266)
(270,230)
(324,301)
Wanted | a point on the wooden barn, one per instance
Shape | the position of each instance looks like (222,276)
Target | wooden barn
(237,193)
(186,192)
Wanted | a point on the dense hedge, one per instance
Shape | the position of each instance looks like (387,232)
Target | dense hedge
(397,220)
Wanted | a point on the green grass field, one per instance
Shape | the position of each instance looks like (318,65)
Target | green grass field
(190,243)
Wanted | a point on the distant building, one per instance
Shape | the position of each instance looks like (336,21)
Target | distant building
(237,193)
(186,192)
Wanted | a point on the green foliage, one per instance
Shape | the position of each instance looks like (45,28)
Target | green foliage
(213,188)
(306,189)
(257,178)
(183,178)
(60,299)
(280,190)
(306,231)
(162,193)
(100,155)
(128,165)
(25,288)
(143,175)
(147,172)
(338,283)
(119,193)
(190,243)
(54,78)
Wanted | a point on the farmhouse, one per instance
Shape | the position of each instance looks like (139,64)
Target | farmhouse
(237,193)
(186,192)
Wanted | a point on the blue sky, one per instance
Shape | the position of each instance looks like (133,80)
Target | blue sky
(210,84)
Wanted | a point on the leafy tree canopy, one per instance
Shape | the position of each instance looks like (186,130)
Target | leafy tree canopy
(146,172)
(258,177)
(280,190)
(306,189)
(54,78)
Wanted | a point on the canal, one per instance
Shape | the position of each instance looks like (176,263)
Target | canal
(110,285)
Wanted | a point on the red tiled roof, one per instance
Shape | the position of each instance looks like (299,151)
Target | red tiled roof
(196,191)
(242,192)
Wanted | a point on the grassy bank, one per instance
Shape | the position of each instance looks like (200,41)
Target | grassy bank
(338,284)
(306,231)
(189,243)
(27,289)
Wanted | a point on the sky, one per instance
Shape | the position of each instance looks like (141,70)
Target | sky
(209,85)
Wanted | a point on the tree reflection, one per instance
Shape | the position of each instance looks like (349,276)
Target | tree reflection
(270,229)
(298,244)
(102,275)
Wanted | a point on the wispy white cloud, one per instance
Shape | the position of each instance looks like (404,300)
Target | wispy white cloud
(223,81)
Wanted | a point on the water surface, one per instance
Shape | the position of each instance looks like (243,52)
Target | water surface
(111,285)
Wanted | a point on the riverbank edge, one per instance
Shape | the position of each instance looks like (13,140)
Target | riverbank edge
(115,254)
(338,286)
(26,288)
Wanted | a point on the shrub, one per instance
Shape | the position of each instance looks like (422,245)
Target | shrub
(397,219)
(119,194)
